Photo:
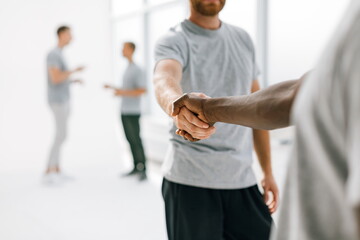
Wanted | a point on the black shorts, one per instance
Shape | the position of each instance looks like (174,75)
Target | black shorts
(194,213)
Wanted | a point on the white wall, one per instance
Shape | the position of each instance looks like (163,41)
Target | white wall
(298,33)
(27,33)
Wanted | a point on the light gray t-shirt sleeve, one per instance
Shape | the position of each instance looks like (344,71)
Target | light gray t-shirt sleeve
(256,70)
(250,45)
(171,46)
(140,81)
(354,163)
(53,60)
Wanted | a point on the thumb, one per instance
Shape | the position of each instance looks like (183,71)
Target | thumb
(178,104)
(266,194)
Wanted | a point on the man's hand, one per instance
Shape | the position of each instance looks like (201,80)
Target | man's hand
(107,86)
(79,69)
(269,186)
(78,81)
(190,106)
(189,123)
(193,102)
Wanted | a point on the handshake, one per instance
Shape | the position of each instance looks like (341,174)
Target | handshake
(194,123)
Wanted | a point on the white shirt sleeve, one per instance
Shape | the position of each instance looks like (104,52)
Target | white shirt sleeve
(353,127)
(353,183)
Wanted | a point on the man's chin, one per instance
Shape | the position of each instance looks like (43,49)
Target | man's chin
(210,10)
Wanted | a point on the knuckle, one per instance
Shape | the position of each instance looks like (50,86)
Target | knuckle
(192,128)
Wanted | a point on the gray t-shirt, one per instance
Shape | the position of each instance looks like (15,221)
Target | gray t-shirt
(57,93)
(218,63)
(133,79)
(323,182)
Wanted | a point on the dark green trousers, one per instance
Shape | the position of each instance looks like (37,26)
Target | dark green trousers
(131,126)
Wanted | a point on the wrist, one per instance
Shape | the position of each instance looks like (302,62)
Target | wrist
(169,107)
(268,174)
(208,110)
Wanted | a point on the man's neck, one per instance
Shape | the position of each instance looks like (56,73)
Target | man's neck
(207,22)
(130,60)
(61,45)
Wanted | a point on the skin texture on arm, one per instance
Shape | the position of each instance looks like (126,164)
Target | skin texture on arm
(262,149)
(129,93)
(266,109)
(57,76)
(167,77)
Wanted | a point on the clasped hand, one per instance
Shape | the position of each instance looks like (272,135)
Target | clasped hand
(190,119)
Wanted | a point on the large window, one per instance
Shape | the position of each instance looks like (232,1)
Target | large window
(121,7)
(298,34)
(241,13)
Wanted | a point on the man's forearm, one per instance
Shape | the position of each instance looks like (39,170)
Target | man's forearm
(167,77)
(130,93)
(166,91)
(266,109)
(61,77)
(262,149)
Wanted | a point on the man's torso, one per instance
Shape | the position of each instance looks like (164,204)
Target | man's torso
(217,63)
(57,93)
(131,78)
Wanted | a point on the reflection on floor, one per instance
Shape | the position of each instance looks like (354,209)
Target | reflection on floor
(97,205)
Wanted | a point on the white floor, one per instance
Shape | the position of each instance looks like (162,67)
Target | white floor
(97,205)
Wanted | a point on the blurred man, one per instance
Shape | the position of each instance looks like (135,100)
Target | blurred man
(133,87)
(209,188)
(322,192)
(58,97)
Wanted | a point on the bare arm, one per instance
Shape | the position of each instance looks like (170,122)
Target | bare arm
(263,152)
(130,93)
(167,78)
(262,142)
(266,109)
(57,76)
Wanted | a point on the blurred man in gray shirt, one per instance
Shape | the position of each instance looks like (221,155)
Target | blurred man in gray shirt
(133,87)
(58,98)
